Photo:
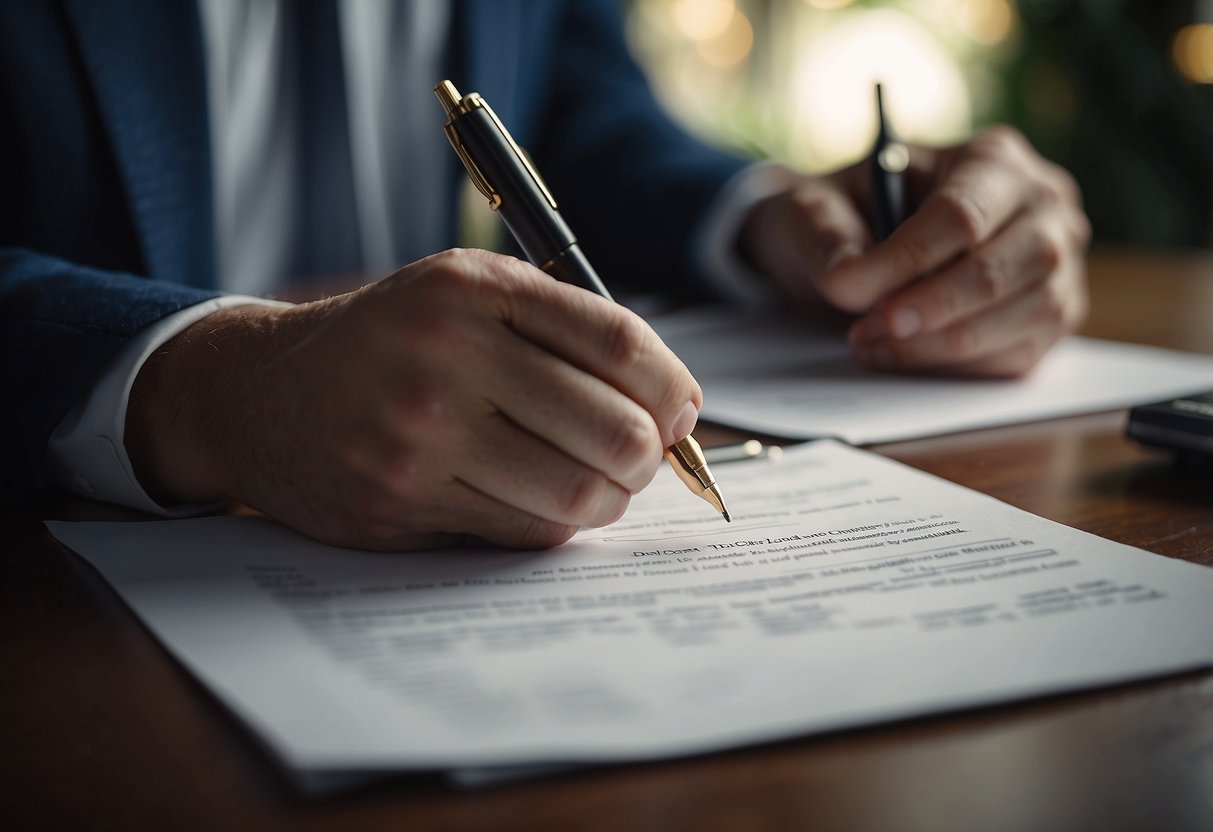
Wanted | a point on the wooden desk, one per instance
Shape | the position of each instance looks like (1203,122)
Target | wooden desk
(102,730)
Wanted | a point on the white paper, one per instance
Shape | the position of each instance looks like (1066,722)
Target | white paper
(848,590)
(774,375)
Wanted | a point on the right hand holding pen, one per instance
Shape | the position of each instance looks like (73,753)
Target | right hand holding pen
(468,393)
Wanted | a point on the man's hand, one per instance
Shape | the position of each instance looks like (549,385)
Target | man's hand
(981,279)
(467,393)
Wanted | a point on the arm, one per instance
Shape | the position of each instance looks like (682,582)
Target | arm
(633,185)
(61,324)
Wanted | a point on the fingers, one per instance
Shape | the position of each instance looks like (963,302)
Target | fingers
(457,506)
(981,186)
(603,429)
(1005,339)
(613,345)
(1026,253)
(525,472)
(481,475)
(801,235)
(579,328)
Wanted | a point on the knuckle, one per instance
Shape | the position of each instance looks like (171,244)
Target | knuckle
(913,256)
(626,341)
(634,441)
(1055,307)
(961,341)
(613,513)
(962,212)
(1050,250)
(579,499)
(808,203)
(941,304)
(814,207)
(989,277)
(1062,184)
(1081,231)
(422,407)
(396,485)
(840,290)
(1022,358)
(538,533)
(1004,140)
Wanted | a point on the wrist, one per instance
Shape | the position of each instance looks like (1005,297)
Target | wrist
(183,419)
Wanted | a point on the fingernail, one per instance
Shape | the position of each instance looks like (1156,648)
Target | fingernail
(685,421)
(905,322)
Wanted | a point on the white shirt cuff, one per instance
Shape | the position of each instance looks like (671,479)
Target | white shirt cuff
(87,455)
(715,245)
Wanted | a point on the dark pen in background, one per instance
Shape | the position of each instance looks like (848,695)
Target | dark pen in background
(888,163)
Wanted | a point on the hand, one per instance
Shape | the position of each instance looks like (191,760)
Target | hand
(467,393)
(981,279)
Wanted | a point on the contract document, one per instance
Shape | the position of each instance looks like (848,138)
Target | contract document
(849,590)
(794,378)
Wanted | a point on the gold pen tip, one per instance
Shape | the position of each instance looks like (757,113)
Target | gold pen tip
(726,517)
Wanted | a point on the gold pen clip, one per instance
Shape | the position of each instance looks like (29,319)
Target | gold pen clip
(456,105)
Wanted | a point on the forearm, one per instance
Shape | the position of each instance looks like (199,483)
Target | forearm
(88,452)
(61,325)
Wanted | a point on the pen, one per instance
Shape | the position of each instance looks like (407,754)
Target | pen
(742,452)
(504,174)
(889,160)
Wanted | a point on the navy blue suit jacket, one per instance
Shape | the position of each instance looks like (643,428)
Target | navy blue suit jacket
(105,177)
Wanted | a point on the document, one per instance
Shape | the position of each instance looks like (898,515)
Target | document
(849,590)
(786,377)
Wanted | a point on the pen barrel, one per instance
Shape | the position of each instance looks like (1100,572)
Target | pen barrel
(888,199)
(532,219)
(571,266)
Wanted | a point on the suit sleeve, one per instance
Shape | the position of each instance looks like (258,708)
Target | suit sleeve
(60,325)
(632,184)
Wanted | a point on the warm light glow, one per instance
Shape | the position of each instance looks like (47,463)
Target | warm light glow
(703,20)
(833,82)
(985,22)
(988,22)
(828,5)
(732,46)
(1192,52)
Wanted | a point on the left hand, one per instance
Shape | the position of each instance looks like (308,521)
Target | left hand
(982,279)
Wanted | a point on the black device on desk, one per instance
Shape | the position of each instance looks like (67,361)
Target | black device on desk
(1183,424)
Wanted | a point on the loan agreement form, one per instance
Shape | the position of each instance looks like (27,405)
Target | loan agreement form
(849,590)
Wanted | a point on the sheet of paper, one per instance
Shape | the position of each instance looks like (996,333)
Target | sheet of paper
(848,590)
(774,375)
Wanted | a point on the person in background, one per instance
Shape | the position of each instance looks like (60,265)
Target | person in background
(168,166)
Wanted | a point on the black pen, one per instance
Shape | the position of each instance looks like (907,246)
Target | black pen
(502,172)
(888,163)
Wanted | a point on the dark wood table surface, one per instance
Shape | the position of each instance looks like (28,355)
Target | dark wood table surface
(101,729)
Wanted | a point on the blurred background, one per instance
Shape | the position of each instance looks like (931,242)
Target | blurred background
(1118,91)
